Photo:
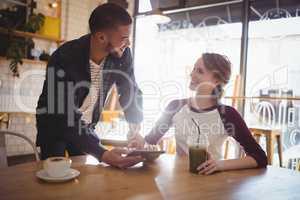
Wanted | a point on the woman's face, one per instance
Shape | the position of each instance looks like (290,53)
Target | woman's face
(202,80)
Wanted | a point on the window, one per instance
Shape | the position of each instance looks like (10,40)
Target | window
(273,71)
(165,53)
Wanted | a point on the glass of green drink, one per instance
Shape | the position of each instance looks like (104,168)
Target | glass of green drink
(198,154)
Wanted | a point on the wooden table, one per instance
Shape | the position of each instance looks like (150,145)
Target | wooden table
(166,178)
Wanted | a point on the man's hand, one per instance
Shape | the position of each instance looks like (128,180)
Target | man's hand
(136,142)
(134,129)
(150,147)
(115,158)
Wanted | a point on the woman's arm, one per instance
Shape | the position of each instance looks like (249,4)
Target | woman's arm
(162,125)
(241,163)
(237,128)
(164,122)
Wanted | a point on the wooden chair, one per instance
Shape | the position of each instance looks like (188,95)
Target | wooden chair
(168,144)
(271,136)
(236,90)
(3,157)
(234,104)
(111,109)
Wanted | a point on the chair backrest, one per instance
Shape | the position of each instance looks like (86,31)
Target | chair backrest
(267,112)
(236,92)
(3,150)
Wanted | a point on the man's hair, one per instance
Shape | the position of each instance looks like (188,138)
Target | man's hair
(108,16)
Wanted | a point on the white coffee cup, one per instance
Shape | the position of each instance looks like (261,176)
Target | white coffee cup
(57,166)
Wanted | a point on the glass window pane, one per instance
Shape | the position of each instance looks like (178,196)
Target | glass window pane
(165,54)
(145,6)
(274,70)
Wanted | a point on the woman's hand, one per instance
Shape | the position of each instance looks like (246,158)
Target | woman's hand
(210,166)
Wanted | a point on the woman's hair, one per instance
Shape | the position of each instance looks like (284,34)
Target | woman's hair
(220,66)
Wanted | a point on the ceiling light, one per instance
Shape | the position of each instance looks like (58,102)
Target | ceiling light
(53,5)
(158,17)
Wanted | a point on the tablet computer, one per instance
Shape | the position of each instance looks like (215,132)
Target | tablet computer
(145,153)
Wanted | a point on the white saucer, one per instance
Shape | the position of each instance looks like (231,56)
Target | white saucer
(42,174)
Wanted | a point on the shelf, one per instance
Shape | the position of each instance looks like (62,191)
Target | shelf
(263,98)
(25,60)
(29,61)
(32,35)
(17,3)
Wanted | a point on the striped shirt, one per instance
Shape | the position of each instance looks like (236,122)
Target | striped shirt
(89,102)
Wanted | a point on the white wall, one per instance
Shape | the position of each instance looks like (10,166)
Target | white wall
(30,89)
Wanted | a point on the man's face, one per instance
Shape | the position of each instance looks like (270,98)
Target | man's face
(118,40)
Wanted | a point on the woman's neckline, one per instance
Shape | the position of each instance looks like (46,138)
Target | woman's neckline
(203,110)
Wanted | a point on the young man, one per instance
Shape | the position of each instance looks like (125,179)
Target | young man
(79,76)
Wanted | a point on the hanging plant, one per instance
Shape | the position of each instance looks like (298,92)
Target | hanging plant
(34,23)
(16,52)
(17,46)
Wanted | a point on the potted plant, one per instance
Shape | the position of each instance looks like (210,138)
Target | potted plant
(17,46)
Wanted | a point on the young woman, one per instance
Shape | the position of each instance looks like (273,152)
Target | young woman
(211,72)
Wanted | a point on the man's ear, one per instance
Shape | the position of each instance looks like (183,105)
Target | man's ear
(101,37)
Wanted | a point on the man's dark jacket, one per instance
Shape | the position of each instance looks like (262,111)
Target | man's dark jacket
(58,118)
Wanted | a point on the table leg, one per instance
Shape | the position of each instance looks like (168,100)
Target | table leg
(278,138)
(3,158)
(226,149)
(3,154)
(270,148)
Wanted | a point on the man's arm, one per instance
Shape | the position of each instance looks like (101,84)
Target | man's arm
(131,98)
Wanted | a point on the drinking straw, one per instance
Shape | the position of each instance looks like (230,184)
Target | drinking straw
(199,132)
